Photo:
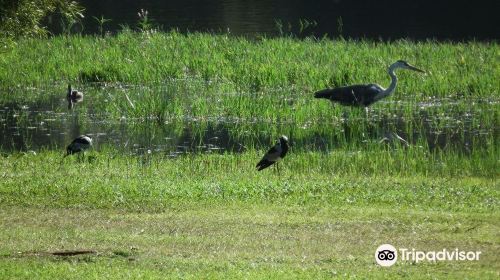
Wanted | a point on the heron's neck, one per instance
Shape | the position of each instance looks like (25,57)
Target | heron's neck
(392,86)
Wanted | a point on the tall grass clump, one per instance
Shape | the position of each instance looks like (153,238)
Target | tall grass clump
(252,65)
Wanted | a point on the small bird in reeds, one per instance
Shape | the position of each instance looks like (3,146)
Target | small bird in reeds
(73,97)
(275,154)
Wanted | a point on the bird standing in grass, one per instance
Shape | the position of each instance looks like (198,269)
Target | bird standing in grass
(276,153)
(367,94)
(73,97)
(79,144)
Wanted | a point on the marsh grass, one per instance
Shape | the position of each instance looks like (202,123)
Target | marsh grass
(252,65)
(168,77)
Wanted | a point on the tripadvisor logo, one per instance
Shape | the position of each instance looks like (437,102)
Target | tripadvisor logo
(387,255)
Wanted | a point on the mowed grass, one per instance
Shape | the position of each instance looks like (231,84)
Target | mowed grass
(241,240)
(214,216)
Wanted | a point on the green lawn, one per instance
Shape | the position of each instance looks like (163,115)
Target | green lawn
(241,240)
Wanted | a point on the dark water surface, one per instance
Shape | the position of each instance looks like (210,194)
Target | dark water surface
(443,20)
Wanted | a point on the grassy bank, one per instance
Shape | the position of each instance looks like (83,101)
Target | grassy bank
(214,216)
(341,178)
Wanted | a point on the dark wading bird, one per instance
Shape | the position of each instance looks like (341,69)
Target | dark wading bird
(79,144)
(276,153)
(73,97)
(365,95)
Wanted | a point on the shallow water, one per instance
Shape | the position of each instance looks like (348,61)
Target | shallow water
(44,122)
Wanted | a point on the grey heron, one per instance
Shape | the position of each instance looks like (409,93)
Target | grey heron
(73,96)
(366,94)
(276,153)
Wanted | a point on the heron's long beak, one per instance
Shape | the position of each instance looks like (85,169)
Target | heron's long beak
(415,69)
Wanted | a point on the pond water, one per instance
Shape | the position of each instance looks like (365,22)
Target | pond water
(45,123)
(443,20)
